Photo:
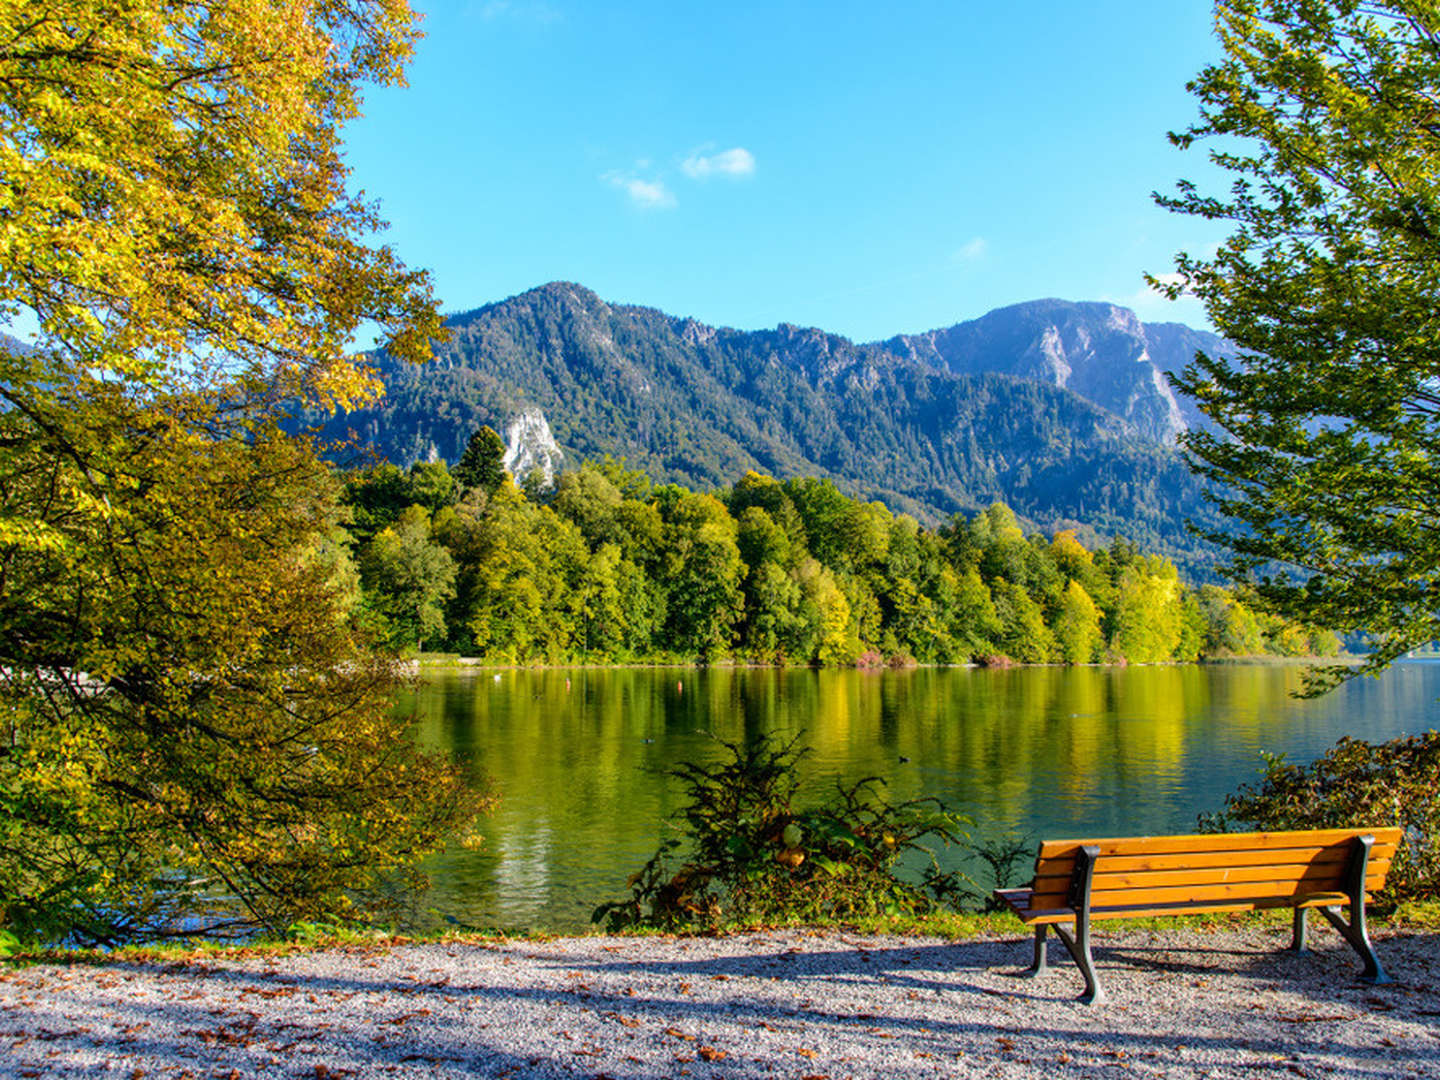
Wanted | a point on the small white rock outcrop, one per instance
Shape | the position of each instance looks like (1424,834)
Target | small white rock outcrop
(530,446)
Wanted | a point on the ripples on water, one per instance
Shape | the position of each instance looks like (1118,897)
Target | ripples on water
(580,756)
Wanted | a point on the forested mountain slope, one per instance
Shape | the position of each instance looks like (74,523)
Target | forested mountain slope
(700,405)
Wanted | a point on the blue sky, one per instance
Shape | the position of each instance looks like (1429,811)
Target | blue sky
(869,169)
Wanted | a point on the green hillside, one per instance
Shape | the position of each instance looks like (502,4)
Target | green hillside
(699,405)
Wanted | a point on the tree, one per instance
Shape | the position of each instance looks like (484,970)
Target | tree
(1077,626)
(823,511)
(191,719)
(431,485)
(482,464)
(760,539)
(376,497)
(506,566)
(174,197)
(1148,617)
(836,629)
(1023,633)
(1192,628)
(775,615)
(410,577)
(974,623)
(1328,420)
(603,616)
(704,573)
(190,725)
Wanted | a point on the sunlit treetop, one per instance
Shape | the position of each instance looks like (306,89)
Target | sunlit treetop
(172,197)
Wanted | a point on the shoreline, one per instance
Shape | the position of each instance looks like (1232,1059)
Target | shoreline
(1184,1001)
(448,662)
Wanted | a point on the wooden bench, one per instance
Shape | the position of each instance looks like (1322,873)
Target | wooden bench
(1079,881)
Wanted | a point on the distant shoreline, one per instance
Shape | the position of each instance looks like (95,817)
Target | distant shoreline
(462,664)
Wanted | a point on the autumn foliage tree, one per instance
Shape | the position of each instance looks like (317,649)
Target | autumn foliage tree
(190,719)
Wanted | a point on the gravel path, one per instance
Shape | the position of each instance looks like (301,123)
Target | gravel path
(1183,1003)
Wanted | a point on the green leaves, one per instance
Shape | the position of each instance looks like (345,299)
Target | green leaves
(194,730)
(412,576)
(483,463)
(750,855)
(195,733)
(591,574)
(1329,421)
(1355,784)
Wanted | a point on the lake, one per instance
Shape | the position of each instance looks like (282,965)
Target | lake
(579,757)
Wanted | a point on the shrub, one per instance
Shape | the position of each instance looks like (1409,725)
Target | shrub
(749,856)
(1356,784)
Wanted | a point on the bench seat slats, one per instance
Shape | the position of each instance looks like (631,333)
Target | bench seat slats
(1227,876)
(1240,890)
(1161,845)
(1334,855)
(1109,876)
(1324,879)
(1037,916)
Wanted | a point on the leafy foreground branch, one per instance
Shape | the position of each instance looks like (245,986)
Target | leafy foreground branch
(195,734)
(1326,423)
(750,856)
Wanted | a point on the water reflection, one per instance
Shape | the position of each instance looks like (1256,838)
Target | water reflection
(580,756)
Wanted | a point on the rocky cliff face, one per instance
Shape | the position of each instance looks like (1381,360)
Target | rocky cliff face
(530,447)
(1100,351)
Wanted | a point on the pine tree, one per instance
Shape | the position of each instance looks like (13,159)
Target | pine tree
(483,463)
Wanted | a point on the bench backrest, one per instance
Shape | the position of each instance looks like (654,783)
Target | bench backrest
(1210,872)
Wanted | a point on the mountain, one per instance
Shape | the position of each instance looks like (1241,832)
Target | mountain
(1100,351)
(14,346)
(924,423)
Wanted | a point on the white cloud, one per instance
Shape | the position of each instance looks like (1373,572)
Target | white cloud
(647,194)
(971,250)
(645,184)
(735,162)
(1152,306)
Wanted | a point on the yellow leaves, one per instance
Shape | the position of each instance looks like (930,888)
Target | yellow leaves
(181,671)
(343,384)
(204,677)
(1069,552)
(27,534)
(140,218)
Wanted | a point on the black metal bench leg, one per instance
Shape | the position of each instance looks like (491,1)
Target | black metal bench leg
(1354,931)
(1038,966)
(1078,944)
(1079,947)
(1297,932)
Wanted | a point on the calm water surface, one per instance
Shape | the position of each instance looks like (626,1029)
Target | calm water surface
(580,757)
